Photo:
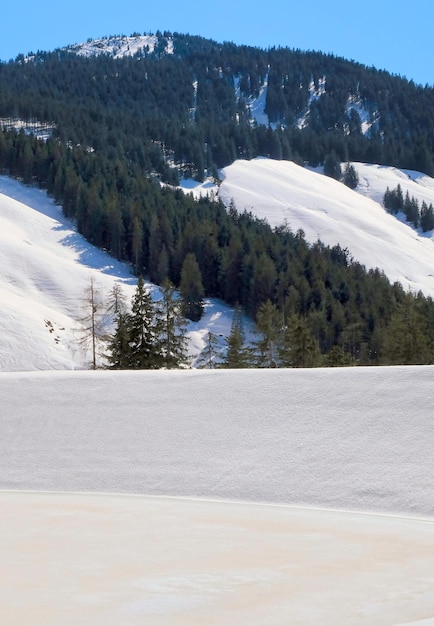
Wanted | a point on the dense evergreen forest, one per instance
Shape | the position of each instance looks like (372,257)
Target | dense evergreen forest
(121,128)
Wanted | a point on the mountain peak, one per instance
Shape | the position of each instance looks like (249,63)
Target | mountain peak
(119,46)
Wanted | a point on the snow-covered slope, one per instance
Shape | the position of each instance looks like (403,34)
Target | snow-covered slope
(45,270)
(327,210)
(45,265)
(117,47)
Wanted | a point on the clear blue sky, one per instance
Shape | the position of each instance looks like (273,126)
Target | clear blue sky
(395,35)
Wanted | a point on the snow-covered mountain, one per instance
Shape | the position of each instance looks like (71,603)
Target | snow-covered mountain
(46,266)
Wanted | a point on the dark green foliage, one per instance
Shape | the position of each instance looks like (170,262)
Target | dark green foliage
(395,202)
(142,331)
(268,324)
(191,288)
(298,347)
(332,166)
(151,335)
(171,327)
(407,339)
(184,106)
(350,177)
(237,354)
(427,217)
(119,345)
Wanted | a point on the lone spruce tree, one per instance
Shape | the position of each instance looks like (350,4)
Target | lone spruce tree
(142,330)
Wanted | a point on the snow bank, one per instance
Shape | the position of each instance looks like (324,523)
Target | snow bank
(350,438)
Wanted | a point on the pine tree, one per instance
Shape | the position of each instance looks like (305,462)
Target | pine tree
(142,330)
(337,357)
(171,330)
(237,355)
(268,324)
(350,177)
(332,166)
(426,217)
(405,341)
(209,356)
(298,345)
(191,288)
(119,346)
(411,210)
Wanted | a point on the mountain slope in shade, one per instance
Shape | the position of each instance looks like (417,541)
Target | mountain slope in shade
(327,210)
(45,269)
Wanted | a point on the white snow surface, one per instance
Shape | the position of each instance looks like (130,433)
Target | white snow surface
(325,209)
(350,438)
(117,46)
(97,559)
(331,440)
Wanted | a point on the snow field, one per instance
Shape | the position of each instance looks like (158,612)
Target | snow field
(234,444)
(98,559)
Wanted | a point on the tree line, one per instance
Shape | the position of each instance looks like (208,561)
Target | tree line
(418,215)
(184,107)
(151,334)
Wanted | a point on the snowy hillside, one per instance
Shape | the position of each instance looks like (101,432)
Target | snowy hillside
(45,270)
(46,266)
(327,210)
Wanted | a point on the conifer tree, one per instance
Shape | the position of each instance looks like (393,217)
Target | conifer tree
(332,166)
(426,217)
(350,177)
(406,340)
(142,330)
(210,354)
(298,345)
(171,330)
(191,288)
(119,345)
(116,302)
(268,324)
(237,355)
